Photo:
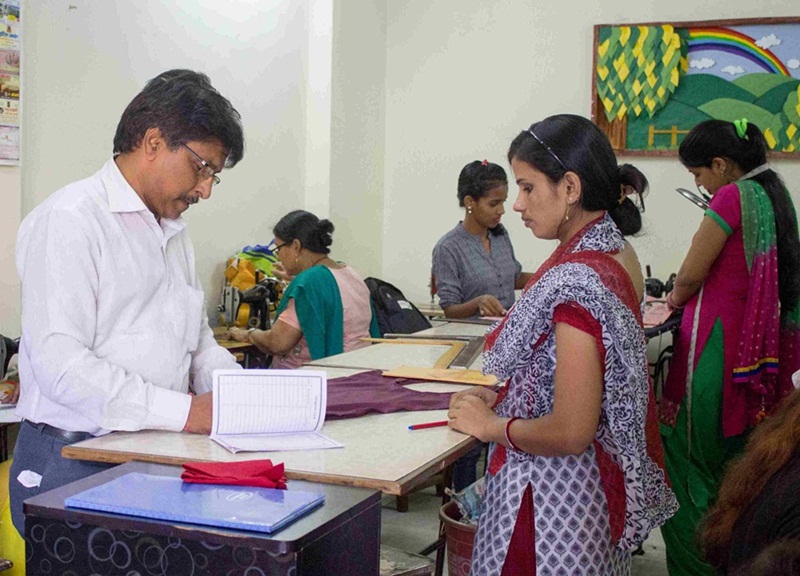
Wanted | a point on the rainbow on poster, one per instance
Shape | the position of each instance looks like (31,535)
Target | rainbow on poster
(732,42)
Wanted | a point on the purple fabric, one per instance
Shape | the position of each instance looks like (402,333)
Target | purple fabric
(370,392)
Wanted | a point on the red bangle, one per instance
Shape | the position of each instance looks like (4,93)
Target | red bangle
(508,436)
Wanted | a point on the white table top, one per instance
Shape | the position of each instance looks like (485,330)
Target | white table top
(385,356)
(380,452)
(455,329)
(7,416)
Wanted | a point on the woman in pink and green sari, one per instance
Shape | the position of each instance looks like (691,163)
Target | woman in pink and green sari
(739,285)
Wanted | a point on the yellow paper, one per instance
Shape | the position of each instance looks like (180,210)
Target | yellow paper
(443,375)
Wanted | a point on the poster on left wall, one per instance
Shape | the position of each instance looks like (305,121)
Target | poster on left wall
(10,45)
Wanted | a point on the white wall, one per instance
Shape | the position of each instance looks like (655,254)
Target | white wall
(463,78)
(9,222)
(87,59)
(358,133)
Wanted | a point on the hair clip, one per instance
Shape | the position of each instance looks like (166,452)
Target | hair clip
(741,128)
(485,163)
(546,147)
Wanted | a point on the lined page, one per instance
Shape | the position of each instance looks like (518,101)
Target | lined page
(276,442)
(268,401)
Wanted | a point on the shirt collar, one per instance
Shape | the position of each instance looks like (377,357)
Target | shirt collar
(498,230)
(123,198)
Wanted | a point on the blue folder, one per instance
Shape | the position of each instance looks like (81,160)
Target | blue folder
(169,498)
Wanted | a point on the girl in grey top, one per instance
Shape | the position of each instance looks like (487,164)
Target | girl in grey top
(474,267)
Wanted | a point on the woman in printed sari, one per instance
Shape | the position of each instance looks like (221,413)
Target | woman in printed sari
(326,308)
(575,480)
(739,285)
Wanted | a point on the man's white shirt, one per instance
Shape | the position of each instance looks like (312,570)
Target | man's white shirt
(113,320)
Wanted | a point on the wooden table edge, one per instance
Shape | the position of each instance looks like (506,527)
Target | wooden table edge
(397,488)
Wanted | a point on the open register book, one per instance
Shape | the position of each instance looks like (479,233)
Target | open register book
(270,410)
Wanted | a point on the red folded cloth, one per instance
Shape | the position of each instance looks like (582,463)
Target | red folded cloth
(259,473)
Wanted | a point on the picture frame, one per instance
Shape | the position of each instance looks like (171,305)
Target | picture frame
(652,82)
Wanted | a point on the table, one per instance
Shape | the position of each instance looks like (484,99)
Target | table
(430,309)
(86,542)
(242,351)
(415,455)
(455,329)
(386,356)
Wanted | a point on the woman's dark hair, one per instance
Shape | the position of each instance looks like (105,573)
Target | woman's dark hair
(771,446)
(314,234)
(566,142)
(185,107)
(477,178)
(719,139)
(778,559)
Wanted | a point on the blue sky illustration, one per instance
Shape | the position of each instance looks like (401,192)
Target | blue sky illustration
(782,39)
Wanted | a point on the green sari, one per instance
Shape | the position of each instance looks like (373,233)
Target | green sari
(318,304)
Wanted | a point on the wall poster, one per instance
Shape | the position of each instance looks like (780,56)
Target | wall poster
(10,45)
(653,82)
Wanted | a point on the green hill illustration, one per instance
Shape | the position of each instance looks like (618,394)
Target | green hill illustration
(773,100)
(760,83)
(697,89)
(676,114)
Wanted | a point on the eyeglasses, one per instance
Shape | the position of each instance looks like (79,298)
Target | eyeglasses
(550,150)
(275,248)
(206,170)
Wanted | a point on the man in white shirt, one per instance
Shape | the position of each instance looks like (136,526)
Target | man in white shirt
(114,331)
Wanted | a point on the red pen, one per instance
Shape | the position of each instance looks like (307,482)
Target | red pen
(428,425)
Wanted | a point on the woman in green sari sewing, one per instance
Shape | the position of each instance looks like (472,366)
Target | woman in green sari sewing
(325,310)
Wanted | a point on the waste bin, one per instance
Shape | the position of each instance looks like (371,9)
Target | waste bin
(459,538)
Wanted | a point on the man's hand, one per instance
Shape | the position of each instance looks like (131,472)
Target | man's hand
(199,420)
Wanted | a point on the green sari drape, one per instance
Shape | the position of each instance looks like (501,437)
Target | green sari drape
(318,304)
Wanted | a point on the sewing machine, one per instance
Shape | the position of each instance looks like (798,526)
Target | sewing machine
(249,308)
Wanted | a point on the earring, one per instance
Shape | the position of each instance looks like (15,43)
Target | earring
(566,211)
(469,210)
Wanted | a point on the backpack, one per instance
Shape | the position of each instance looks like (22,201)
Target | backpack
(394,313)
